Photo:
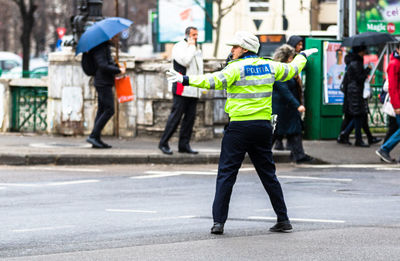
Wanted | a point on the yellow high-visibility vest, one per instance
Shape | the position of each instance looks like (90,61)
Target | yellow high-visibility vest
(249,83)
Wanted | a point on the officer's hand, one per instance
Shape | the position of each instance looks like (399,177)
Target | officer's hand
(174,76)
(309,52)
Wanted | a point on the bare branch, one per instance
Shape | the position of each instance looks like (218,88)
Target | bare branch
(226,10)
(208,17)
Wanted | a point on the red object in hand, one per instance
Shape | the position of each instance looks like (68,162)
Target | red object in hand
(123,88)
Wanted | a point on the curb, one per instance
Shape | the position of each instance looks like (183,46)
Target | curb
(96,159)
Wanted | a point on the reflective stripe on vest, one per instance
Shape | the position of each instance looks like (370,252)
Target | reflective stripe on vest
(286,73)
(212,82)
(249,95)
(223,80)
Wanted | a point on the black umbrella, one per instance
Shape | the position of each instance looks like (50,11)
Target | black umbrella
(368,38)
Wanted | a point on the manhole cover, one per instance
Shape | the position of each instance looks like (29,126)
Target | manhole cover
(59,145)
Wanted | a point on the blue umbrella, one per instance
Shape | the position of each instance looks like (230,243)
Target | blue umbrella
(100,32)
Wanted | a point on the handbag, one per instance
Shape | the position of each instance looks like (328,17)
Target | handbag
(387,107)
(123,88)
(367,90)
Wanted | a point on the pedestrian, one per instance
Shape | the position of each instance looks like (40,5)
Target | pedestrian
(393,72)
(355,107)
(298,44)
(248,81)
(287,106)
(187,59)
(106,70)
(391,121)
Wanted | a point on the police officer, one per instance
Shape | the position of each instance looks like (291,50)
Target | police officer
(248,81)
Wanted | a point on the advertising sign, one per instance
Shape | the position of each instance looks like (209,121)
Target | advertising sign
(174,16)
(334,69)
(378,16)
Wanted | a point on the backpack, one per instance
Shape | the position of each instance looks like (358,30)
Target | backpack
(88,64)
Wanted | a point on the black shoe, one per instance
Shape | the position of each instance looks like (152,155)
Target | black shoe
(374,140)
(188,149)
(361,144)
(96,143)
(217,228)
(283,226)
(278,145)
(343,140)
(384,156)
(165,149)
(105,145)
(306,160)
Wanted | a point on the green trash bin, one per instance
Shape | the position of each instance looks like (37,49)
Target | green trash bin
(322,119)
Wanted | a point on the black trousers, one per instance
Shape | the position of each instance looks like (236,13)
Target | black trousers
(105,109)
(182,106)
(255,138)
(295,143)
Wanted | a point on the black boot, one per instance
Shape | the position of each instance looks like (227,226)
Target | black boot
(373,140)
(343,139)
(360,143)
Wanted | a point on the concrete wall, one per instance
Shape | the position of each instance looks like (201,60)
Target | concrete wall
(72,100)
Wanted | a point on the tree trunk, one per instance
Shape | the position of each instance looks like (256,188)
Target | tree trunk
(217,28)
(27,25)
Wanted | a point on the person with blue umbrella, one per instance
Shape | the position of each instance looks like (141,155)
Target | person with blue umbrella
(95,43)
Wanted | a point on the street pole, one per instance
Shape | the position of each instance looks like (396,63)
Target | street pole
(117,60)
(340,20)
(352,17)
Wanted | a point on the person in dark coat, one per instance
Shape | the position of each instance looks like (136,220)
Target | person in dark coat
(286,104)
(297,43)
(355,107)
(106,70)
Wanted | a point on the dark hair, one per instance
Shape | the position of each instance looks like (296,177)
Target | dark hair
(357,49)
(187,30)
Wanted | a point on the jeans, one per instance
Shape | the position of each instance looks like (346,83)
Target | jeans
(394,139)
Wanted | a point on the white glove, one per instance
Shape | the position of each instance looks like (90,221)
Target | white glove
(309,52)
(174,76)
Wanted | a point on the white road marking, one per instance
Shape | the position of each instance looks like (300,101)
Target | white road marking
(155,176)
(169,218)
(300,219)
(315,178)
(131,211)
(161,174)
(40,229)
(387,168)
(270,209)
(66,169)
(49,184)
(348,166)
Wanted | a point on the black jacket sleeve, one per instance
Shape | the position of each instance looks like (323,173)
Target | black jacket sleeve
(283,90)
(102,61)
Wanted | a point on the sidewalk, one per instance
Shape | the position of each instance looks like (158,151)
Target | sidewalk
(32,149)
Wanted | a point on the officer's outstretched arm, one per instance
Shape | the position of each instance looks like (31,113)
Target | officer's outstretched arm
(286,71)
(214,81)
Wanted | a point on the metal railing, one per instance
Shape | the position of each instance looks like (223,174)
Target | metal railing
(29,109)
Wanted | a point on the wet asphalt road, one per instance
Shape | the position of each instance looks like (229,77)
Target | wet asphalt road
(163,212)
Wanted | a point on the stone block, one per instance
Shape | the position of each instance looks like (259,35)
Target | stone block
(146,115)
(154,83)
(139,82)
(208,113)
